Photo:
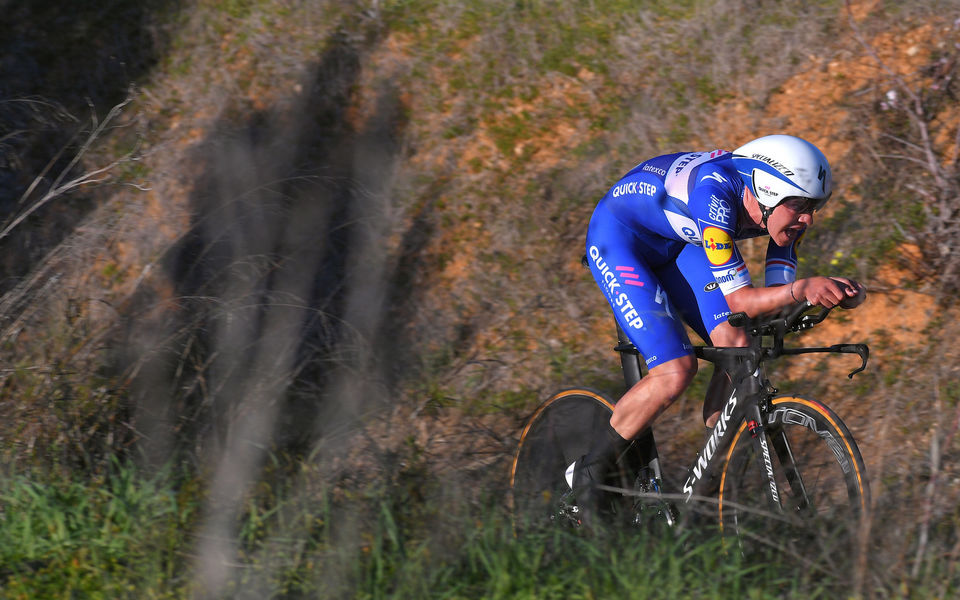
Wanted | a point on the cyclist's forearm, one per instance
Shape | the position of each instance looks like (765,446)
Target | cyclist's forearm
(757,301)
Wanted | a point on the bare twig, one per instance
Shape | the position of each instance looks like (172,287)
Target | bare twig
(936,453)
(59,187)
(938,185)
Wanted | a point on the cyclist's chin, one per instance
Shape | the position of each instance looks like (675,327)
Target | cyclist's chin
(785,236)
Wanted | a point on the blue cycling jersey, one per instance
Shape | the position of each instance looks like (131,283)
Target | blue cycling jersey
(662,247)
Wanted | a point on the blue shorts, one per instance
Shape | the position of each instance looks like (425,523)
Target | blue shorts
(654,286)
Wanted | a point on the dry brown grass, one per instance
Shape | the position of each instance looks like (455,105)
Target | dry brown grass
(372,238)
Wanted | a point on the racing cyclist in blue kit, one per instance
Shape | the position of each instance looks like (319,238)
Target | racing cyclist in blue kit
(661,244)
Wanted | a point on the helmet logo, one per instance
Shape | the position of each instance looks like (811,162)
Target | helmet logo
(775,164)
(767,191)
(822,176)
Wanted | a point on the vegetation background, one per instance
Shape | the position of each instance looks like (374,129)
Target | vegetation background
(281,280)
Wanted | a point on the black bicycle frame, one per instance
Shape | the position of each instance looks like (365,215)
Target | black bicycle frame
(750,391)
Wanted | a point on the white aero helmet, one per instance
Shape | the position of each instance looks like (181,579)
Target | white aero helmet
(777,167)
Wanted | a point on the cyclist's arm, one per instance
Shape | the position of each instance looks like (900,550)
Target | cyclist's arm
(822,291)
(757,301)
(781,263)
(854,292)
(784,289)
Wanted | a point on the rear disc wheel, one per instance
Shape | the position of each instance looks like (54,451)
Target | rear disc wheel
(560,431)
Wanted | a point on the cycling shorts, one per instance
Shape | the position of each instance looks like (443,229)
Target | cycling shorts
(654,286)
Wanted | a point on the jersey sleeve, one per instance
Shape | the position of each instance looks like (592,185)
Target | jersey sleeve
(781,264)
(713,205)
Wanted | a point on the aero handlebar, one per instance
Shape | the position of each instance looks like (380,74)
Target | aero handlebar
(794,318)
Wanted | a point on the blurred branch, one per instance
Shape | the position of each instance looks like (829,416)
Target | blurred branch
(59,187)
(937,448)
(937,185)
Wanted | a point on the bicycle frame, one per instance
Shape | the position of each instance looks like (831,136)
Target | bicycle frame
(749,400)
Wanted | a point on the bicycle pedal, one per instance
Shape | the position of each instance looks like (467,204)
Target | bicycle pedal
(568,514)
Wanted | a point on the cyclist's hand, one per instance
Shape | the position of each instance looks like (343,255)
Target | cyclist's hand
(855,292)
(826,291)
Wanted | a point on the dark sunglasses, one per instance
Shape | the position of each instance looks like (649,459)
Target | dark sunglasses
(807,206)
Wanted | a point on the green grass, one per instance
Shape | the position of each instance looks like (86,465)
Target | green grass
(126,535)
(99,538)
(129,535)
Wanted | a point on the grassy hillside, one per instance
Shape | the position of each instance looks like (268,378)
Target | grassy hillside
(286,346)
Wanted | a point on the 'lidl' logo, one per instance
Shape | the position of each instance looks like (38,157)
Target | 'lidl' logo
(718,244)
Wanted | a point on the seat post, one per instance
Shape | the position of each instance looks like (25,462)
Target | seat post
(629,358)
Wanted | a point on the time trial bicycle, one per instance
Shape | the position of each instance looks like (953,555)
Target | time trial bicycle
(777,468)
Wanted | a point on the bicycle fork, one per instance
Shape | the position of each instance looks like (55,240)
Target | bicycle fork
(758,434)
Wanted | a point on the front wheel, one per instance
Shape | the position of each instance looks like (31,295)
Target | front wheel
(821,492)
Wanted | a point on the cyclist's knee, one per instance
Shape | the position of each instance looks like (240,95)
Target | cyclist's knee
(675,376)
(726,334)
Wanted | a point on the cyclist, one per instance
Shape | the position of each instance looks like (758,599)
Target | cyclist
(662,246)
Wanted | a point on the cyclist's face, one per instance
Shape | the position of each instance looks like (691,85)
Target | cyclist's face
(789,219)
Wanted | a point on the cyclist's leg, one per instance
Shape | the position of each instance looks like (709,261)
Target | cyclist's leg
(645,401)
(695,293)
(641,308)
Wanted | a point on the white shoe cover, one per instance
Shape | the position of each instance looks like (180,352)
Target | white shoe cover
(569,474)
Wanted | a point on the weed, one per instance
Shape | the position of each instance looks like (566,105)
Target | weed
(387,524)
